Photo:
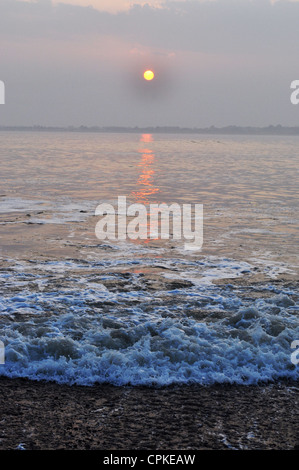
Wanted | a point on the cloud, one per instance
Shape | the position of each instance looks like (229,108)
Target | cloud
(233,60)
(211,26)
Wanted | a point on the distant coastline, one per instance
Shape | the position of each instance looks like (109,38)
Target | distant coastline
(228,130)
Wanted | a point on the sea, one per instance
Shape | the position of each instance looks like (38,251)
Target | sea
(79,310)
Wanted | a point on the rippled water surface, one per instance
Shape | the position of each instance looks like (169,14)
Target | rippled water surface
(75,309)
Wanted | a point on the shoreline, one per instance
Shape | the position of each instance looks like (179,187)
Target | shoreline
(39,415)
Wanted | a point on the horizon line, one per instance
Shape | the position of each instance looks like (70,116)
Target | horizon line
(229,129)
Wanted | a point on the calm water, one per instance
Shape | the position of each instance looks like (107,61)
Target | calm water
(150,313)
(212,170)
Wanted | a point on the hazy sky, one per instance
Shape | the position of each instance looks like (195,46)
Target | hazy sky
(217,62)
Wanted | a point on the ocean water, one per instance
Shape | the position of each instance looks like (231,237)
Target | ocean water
(78,310)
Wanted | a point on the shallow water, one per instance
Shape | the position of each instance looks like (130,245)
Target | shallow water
(144,312)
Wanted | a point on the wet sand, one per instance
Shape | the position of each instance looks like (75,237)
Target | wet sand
(47,416)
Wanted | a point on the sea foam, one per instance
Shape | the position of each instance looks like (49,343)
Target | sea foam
(75,329)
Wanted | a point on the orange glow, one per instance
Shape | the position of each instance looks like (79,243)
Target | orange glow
(146,177)
(146,138)
(146,188)
(148,75)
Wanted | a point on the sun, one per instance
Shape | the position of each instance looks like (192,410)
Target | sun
(148,75)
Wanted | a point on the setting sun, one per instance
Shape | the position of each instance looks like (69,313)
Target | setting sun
(148,75)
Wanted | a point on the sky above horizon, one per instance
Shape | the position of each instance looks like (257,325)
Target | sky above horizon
(216,62)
